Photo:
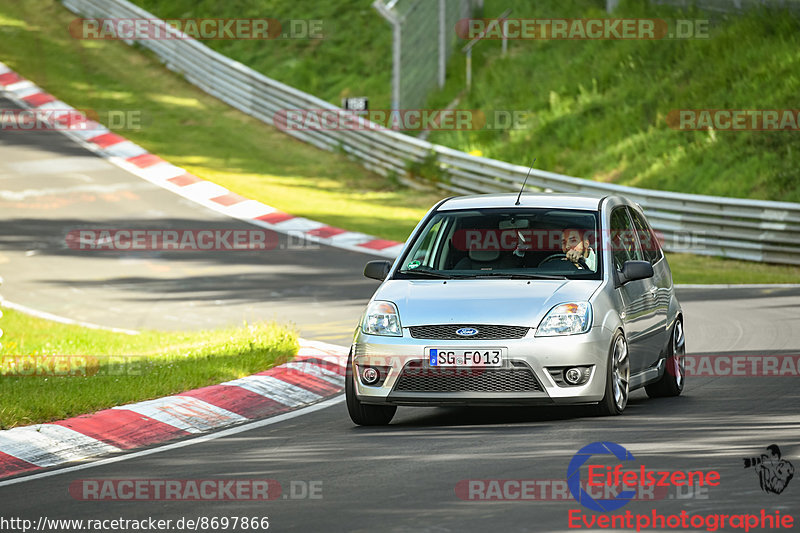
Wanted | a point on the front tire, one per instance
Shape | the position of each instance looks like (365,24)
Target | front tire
(672,382)
(618,373)
(361,413)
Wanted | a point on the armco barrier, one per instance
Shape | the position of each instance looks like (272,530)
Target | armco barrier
(708,225)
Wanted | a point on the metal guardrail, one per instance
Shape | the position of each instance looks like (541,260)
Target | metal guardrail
(707,225)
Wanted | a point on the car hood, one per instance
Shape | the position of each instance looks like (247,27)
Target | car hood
(509,302)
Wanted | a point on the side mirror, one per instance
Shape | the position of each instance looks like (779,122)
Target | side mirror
(379,269)
(633,270)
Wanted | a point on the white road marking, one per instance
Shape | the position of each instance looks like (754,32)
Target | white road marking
(93,129)
(63,320)
(23,88)
(298,224)
(276,389)
(252,209)
(124,150)
(203,190)
(17,196)
(185,412)
(49,445)
(162,171)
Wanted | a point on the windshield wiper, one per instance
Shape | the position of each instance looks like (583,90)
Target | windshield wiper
(426,273)
(512,276)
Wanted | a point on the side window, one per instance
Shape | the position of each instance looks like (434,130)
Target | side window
(624,245)
(424,252)
(647,238)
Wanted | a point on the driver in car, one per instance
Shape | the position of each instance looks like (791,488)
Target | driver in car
(575,245)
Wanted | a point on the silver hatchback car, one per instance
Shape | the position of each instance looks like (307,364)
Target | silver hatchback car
(517,300)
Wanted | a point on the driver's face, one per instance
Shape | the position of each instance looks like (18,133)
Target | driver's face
(571,240)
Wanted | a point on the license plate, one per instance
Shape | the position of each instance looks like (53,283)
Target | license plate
(485,357)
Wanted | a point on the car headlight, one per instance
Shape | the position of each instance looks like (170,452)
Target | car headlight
(382,318)
(566,319)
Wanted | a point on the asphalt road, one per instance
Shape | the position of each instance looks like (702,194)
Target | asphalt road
(399,478)
(50,186)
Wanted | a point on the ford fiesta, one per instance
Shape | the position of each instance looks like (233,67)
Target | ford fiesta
(519,300)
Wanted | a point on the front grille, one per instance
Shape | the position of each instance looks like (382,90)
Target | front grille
(448,332)
(416,378)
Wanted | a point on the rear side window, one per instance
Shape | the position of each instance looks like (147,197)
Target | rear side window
(647,238)
(624,245)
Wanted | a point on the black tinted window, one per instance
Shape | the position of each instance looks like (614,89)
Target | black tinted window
(647,238)
(624,246)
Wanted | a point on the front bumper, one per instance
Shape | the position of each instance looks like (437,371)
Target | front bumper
(405,357)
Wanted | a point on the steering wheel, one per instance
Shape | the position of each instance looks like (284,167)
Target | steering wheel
(554,257)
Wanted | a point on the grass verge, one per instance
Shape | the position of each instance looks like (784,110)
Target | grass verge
(112,369)
(598,109)
(196,131)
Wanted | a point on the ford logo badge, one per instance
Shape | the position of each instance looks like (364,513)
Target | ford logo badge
(466,332)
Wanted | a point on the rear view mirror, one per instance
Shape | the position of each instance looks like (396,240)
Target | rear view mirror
(519,223)
(633,270)
(378,269)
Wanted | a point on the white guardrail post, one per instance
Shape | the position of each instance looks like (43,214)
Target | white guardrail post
(707,225)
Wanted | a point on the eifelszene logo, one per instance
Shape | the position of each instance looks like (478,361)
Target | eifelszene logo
(574,476)
(773,472)
(614,477)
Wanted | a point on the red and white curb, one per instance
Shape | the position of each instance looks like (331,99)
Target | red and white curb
(315,374)
(138,161)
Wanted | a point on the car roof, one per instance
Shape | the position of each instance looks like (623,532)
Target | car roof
(546,200)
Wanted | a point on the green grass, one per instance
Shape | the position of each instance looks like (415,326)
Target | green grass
(352,59)
(122,368)
(196,131)
(716,270)
(598,108)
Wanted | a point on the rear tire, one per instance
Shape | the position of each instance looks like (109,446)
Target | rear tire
(672,382)
(618,373)
(361,413)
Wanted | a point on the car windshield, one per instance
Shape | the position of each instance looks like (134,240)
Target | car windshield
(542,243)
